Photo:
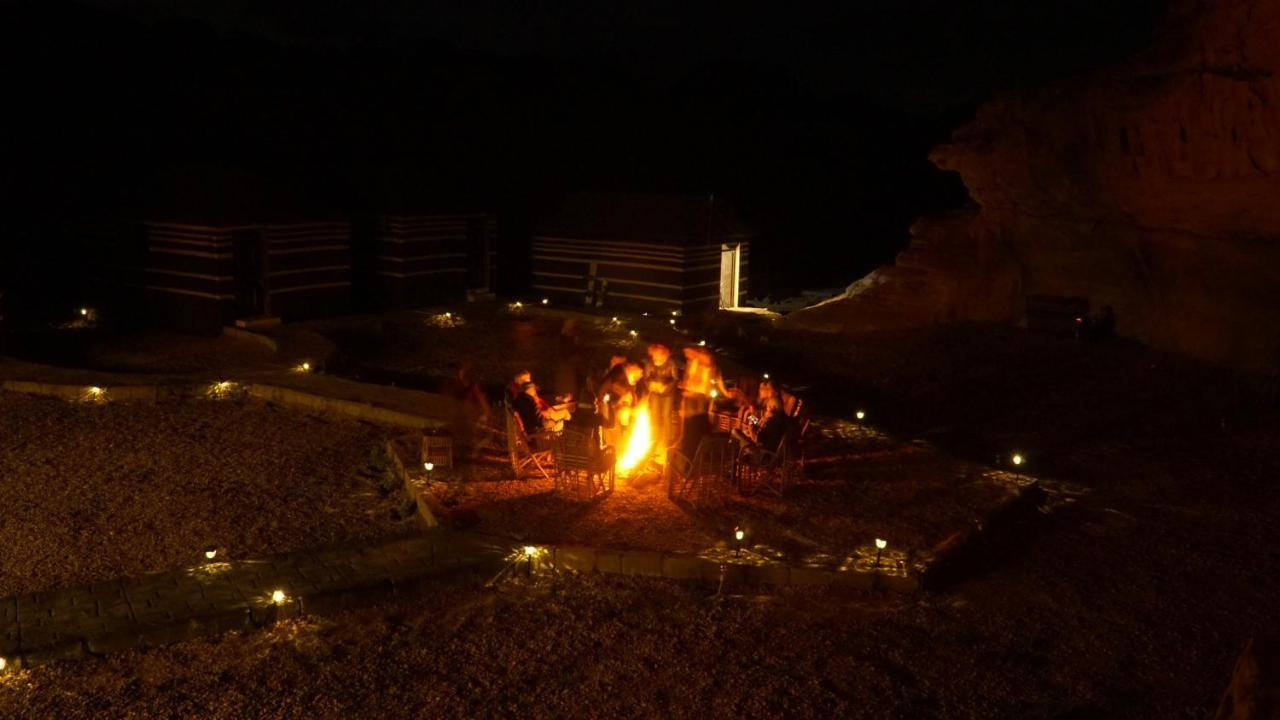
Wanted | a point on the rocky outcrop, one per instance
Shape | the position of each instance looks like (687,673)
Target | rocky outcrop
(1254,692)
(1152,187)
(945,274)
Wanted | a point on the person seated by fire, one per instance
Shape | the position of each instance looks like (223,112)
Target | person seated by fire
(515,388)
(751,405)
(616,397)
(765,434)
(537,414)
(661,378)
(701,380)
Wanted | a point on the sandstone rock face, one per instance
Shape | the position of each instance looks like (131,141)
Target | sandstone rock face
(1254,692)
(1153,187)
(946,274)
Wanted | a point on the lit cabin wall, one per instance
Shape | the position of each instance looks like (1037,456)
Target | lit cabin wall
(308,269)
(641,276)
(189,280)
(426,259)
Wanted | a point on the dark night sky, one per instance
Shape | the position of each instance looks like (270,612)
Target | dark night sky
(814,117)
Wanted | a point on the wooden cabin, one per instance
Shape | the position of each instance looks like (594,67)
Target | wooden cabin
(199,277)
(433,258)
(654,253)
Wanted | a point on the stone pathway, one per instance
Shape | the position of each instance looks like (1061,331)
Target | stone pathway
(218,596)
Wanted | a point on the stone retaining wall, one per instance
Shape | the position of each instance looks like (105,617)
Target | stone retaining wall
(420,495)
(350,408)
(747,569)
(152,394)
(213,598)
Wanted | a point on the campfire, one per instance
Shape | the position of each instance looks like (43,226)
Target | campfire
(639,442)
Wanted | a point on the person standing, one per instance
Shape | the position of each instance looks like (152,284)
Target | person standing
(700,378)
(615,397)
(661,377)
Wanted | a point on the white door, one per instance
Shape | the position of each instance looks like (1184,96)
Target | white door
(730,266)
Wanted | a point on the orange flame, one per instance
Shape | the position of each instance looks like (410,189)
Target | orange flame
(639,440)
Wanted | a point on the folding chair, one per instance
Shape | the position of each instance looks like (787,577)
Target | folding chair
(526,450)
(773,470)
(702,480)
(582,468)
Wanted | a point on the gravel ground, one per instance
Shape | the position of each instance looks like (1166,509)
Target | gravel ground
(93,492)
(173,353)
(859,485)
(423,349)
(1128,598)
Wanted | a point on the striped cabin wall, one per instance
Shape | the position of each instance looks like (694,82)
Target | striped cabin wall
(425,259)
(188,278)
(642,276)
(308,269)
(191,272)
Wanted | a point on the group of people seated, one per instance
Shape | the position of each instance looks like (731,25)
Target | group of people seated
(669,391)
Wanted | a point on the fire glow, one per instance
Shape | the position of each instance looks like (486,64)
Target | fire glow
(639,441)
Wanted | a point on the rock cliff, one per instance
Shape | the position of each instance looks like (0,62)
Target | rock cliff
(1152,187)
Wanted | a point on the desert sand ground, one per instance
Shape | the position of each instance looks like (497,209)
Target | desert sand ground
(1128,597)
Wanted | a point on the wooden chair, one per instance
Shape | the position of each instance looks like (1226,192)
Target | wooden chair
(702,480)
(526,450)
(437,450)
(583,469)
(773,470)
(487,436)
(724,422)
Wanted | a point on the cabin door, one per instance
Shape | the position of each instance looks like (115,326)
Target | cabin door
(250,274)
(478,247)
(730,275)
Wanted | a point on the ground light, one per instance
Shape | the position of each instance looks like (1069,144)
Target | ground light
(672,321)
(738,535)
(634,333)
(861,415)
(84,312)
(278,597)
(529,553)
(545,301)
(881,544)
(3,664)
(1017,459)
(210,553)
(302,367)
(766,376)
(428,466)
